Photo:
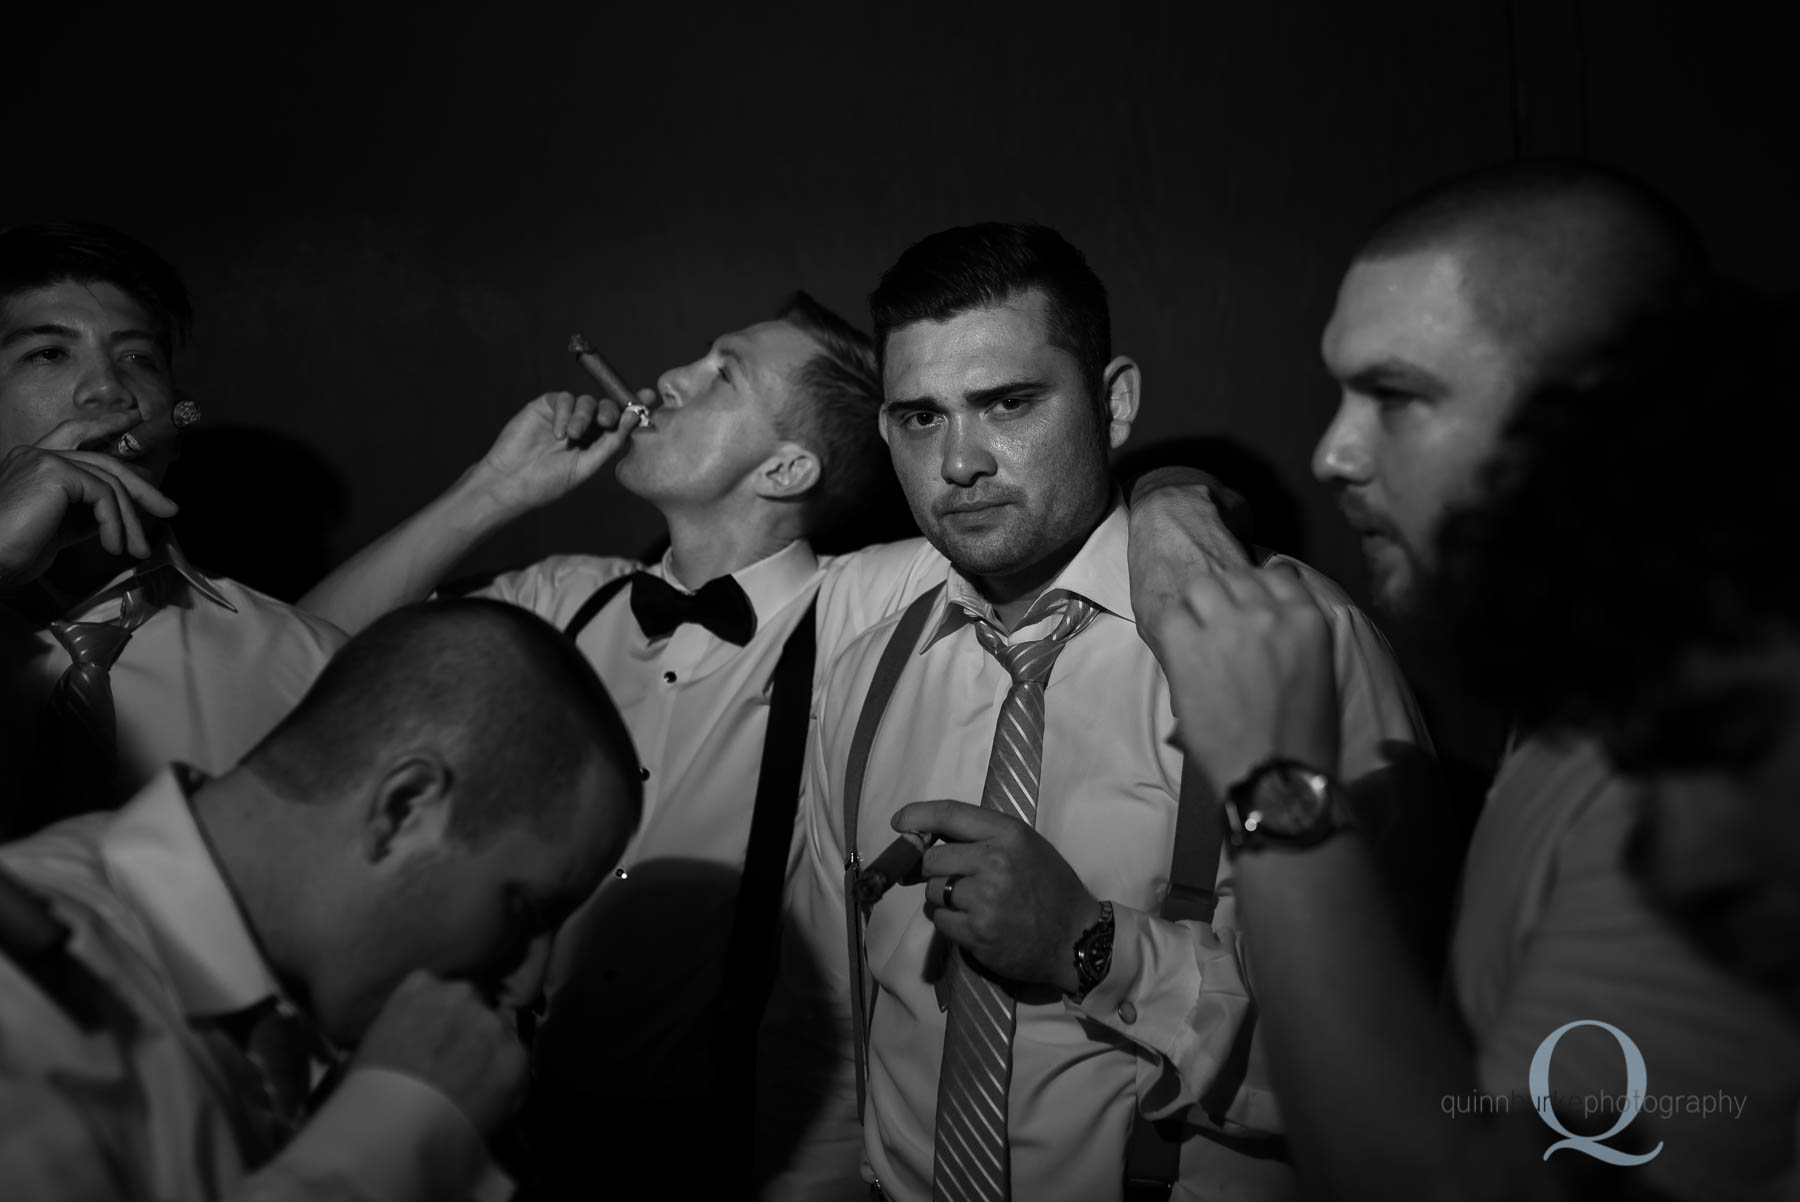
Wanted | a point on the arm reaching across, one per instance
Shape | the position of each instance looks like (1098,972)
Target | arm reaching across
(542,454)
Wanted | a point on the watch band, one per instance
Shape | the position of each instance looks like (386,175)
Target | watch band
(1245,826)
(1093,953)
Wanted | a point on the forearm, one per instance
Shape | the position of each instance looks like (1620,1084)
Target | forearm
(1370,1072)
(385,1137)
(409,561)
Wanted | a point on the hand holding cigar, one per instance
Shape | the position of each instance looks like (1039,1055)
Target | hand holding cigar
(609,381)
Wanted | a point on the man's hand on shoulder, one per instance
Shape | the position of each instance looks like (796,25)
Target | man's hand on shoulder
(443,1033)
(53,495)
(550,448)
(1248,656)
(1181,526)
(999,890)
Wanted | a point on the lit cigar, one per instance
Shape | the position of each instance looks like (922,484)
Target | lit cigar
(898,862)
(610,384)
(129,446)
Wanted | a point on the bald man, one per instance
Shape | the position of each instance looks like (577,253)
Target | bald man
(1590,1048)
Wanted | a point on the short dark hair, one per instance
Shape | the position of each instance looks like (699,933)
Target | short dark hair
(509,701)
(52,252)
(1628,527)
(980,266)
(835,413)
(1624,257)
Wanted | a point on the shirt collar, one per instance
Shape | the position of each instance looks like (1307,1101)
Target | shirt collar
(771,583)
(158,860)
(167,584)
(1099,572)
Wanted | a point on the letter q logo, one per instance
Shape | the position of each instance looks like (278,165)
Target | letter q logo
(1635,1079)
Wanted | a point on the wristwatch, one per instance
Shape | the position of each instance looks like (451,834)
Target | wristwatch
(1283,803)
(1093,953)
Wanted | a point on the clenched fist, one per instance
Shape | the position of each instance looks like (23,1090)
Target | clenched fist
(445,1034)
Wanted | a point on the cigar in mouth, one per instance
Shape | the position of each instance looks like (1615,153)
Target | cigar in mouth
(129,446)
(610,384)
(898,862)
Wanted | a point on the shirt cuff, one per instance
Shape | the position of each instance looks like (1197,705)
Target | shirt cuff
(394,1137)
(1178,990)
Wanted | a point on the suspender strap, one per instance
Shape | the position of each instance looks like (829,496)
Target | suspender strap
(1194,868)
(1153,1157)
(888,670)
(594,604)
(750,956)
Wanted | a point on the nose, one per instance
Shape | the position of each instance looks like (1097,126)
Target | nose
(966,454)
(525,985)
(1343,454)
(102,388)
(674,386)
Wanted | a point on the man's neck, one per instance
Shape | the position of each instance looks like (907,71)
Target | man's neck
(707,544)
(243,822)
(1013,594)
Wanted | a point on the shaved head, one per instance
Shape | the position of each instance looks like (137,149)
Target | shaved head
(1566,263)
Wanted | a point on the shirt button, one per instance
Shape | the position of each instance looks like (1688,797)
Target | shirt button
(1128,1014)
(668,678)
(643,773)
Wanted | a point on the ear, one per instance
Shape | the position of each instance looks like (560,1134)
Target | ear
(1124,387)
(788,474)
(409,810)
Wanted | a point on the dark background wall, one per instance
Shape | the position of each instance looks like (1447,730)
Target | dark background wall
(394,218)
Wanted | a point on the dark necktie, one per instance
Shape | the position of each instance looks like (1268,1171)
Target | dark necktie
(267,1052)
(721,606)
(973,1158)
(76,761)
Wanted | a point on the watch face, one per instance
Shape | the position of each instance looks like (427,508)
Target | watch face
(1290,803)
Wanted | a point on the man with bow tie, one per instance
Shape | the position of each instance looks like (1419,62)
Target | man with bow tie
(119,656)
(712,652)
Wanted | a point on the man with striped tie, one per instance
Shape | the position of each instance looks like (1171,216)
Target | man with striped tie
(1025,1005)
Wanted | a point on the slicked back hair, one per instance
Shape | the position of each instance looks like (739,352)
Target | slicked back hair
(500,694)
(955,271)
(54,252)
(834,412)
(1574,262)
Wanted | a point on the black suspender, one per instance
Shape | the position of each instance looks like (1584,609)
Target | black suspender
(750,954)
(888,670)
(756,930)
(594,604)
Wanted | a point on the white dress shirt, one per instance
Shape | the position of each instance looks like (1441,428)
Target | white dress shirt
(697,708)
(1153,1034)
(200,682)
(152,916)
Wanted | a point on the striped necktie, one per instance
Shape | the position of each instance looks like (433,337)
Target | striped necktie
(973,1158)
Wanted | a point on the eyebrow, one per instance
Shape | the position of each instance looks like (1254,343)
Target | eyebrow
(1394,375)
(52,330)
(980,398)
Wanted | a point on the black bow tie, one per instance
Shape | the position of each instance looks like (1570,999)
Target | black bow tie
(721,606)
